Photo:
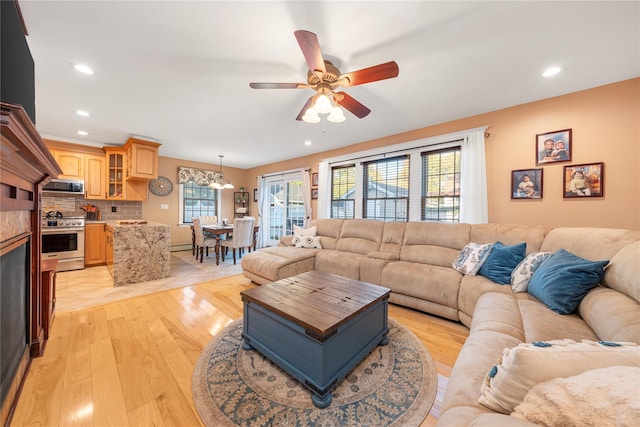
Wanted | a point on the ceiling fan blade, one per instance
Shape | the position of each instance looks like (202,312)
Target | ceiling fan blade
(304,109)
(308,42)
(278,85)
(384,71)
(349,103)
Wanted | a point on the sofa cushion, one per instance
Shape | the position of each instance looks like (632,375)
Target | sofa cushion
(598,397)
(360,236)
(471,258)
(611,314)
(527,364)
(310,231)
(521,275)
(278,262)
(564,279)
(434,243)
(341,263)
(501,262)
(623,271)
(510,234)
(329,231)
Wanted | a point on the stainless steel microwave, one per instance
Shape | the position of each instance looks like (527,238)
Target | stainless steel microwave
(73,186)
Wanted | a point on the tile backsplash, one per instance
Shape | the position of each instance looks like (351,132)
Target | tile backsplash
(124,210)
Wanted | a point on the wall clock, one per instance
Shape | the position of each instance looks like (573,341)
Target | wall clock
(161,186)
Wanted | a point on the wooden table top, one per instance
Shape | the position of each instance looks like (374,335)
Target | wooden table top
(315,300)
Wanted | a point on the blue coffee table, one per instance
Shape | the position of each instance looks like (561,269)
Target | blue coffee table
(316,326)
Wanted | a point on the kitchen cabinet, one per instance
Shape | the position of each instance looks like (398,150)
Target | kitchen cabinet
(142,159)
(118,187)
(108,234)
(95,177)
(71,163)
(240,204)
(94,244)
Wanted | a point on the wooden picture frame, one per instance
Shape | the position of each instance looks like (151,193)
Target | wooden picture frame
(314,179)
(255,194)
(526,184)
(554,147)
(585,180)
(314,193)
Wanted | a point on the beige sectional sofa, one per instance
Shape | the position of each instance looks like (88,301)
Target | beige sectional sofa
(414,260)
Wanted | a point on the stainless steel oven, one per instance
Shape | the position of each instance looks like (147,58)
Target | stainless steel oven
(63,239)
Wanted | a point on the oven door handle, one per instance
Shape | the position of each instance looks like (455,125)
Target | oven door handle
(58,230)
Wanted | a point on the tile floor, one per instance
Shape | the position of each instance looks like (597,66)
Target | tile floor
(94,285)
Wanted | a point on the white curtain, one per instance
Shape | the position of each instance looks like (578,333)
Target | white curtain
(306,193)
(324,189)
(473,180)
(263,207)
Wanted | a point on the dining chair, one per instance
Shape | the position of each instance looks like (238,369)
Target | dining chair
(242,236)
(202,242)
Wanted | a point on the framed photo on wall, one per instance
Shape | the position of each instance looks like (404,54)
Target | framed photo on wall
(526,184)
(314,193)
(255,194)
(554,147)
(585,180)
(314,179)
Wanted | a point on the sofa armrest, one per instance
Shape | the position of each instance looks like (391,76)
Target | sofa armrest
(386,256)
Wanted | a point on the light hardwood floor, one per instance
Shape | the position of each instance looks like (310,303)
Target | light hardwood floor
(130,362)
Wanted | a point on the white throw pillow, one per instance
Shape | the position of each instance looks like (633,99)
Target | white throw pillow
(521,275)
(306,242)
(598,397)
(472,257)
(522,367)
(299,231)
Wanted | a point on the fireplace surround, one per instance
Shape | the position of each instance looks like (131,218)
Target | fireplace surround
(25,166)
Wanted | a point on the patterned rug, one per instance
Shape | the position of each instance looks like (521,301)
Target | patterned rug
(394,386)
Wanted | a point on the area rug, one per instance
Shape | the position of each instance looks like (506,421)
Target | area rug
(395,385)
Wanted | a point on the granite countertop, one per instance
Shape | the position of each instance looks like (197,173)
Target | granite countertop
(135,223)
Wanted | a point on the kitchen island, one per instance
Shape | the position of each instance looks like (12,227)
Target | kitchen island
(138,251)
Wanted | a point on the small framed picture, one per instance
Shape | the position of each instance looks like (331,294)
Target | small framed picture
(585,180)
(526,184)
(314,193)
(553,147)
(255,194)
(314,179)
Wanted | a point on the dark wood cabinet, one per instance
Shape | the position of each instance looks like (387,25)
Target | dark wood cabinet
(240,204)
(48,294)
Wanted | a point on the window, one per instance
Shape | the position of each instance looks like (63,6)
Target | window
(343,188)
(198,200)
(386,189)
(441,185)
(286,207)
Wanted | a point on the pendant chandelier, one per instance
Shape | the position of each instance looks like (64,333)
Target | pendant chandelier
(218,182)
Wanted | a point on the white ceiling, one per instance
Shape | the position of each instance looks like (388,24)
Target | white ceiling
(179,71)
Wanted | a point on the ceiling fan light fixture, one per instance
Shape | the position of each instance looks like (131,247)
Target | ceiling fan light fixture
(311,116)
(322,104)
(336,115)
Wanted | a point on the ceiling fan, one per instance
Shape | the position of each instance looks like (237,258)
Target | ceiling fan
(324,78)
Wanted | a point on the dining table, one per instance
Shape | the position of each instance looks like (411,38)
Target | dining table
(219,230)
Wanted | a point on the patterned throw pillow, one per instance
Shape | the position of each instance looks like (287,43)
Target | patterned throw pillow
(306,242)
(521,275)
(472,257)
(299,231)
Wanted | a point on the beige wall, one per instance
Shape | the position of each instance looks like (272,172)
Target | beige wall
(167,166)
(605,123)
(605,127)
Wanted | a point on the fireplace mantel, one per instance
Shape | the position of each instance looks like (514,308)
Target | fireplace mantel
(25,166)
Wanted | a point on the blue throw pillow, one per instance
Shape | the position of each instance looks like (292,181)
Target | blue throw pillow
(501,262)
(564,279)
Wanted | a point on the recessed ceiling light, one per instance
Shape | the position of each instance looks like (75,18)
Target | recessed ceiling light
(551,71)
(83,68)
(83,133)
(307,143)
(82,113)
